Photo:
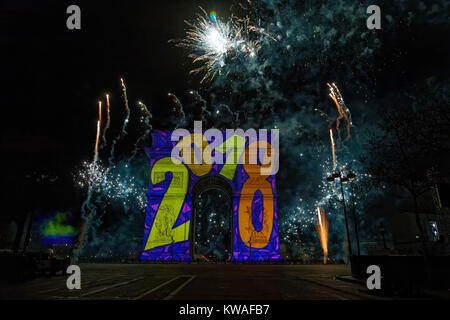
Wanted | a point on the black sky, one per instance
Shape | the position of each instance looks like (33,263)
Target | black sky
(52,77)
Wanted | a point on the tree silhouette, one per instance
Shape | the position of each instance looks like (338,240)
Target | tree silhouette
(410,139)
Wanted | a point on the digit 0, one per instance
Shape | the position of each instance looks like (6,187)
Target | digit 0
(255,182)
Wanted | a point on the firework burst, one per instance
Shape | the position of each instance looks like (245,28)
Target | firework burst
(117,183)
(214,43)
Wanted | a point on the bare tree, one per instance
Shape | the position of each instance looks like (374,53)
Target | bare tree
(409,140)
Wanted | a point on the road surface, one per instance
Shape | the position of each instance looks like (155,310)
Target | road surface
(195,282)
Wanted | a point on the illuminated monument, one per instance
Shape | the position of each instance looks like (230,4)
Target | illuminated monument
(170,217)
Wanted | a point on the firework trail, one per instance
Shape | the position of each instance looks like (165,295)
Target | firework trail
(124,132)
(178,106)
(344,112)
(247,27)
(127,117)
(333,150)
(100,111)
(146,112)
(322,231)
(198,98)
(226,107)
(114,182)
(148,128)
(94,163)
(88,210)
(323,115)
(108,120)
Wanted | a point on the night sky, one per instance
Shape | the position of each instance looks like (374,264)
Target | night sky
(52,77)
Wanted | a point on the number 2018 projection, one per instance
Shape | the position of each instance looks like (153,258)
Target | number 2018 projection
(168,229)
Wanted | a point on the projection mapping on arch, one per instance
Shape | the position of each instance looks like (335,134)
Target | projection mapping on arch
(169,233)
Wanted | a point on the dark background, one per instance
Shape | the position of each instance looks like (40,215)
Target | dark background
(52,77)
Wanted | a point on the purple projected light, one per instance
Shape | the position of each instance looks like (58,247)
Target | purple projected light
(167,232)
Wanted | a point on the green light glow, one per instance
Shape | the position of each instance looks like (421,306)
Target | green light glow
(56,227)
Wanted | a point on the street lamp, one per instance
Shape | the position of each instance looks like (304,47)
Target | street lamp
(351,177)
(332,178)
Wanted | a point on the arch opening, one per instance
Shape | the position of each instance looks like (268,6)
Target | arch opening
(211,226)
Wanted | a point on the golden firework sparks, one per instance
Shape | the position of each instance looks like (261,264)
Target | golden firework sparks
(344,112)
(108,118)
(322,231)
(97,137)
(333,150)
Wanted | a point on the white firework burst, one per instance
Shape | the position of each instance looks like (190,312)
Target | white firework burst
(213,43)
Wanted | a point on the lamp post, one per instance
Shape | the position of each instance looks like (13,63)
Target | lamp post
(342,180)
(351,176)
